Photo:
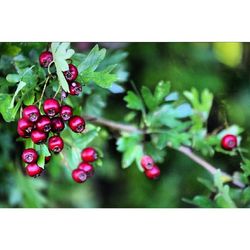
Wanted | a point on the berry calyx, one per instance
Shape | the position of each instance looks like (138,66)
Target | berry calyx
(33,170)
(77,124)
(38,136)
(57,124)
(89,154)
(31,113)
(29,155)
(75,88)
(51,107)
(66,112)
(45,59)
(43,124)
(87,168)
(229,142)
(147,162)
(71,74)
(153,173)
(55,144)
(25,125)
(79,176)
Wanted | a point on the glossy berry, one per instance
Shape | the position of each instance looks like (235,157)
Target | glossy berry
(66,112)
(25,125)
(87,168)
(47,159)
(77,124)
(29,155)
(229,142)
(55,144)
(71,74)
(153,173)
(43,124)
(45,59)
(22,133)
(33,170)
(75,88)
(51,107)
(57,124)
(79,176)
(38,136)
(31,113)
(147,162)
(89,154)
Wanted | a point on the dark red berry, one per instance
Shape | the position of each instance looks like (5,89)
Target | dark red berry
(38,136)
(25,125)
(47,159)
(45,59)
(89,154)
(57,124)
(43,124)
(79,176)
(55,144)
(87,168)
(29,155)
(229,142)
(147,162)
(75,88)
(31,113)
(71,74)
(33,170)
(77,124)
(153,173)
(51,107)
(22,133)
(66,112)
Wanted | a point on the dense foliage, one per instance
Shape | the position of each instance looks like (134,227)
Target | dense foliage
(126,120)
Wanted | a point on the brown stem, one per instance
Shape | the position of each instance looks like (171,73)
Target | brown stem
(183,149)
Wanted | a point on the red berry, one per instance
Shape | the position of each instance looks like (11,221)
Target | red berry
(43,124)
(51,107)
(89,154)
(153,173)
(77,124)
(31,113)
(45,59)
(55,144)
(79,175)
(87,168)
(29,155)
(33,170)
(22,133)
(75,88)
(57,124)
(47,159)
(147,162)
(66,112)
(71,74)
(38,136)
(229,142)
(25,125)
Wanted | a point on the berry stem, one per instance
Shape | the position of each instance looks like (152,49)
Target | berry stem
(58,90)
(44,87)
(182,149)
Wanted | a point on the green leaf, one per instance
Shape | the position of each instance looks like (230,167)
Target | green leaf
(13,78)
(203,202)
(245,166)
(20,86)
(133,101)
(183,111)
(7,112)
(148,98)
(161,91)
(29,98)
(41,160)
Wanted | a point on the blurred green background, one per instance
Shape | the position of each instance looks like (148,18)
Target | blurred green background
(223,68)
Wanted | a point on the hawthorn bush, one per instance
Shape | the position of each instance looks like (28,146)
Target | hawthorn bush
(60,120)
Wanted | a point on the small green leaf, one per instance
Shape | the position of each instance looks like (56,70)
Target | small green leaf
(161,91)
(29,98)
(133,101)
(13,78)
(203,202)
(20,86)
(41,160)
(148,98)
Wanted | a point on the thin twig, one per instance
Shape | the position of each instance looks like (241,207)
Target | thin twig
(183,149)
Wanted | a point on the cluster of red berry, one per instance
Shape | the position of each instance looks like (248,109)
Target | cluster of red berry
(151,170)
(85,170)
